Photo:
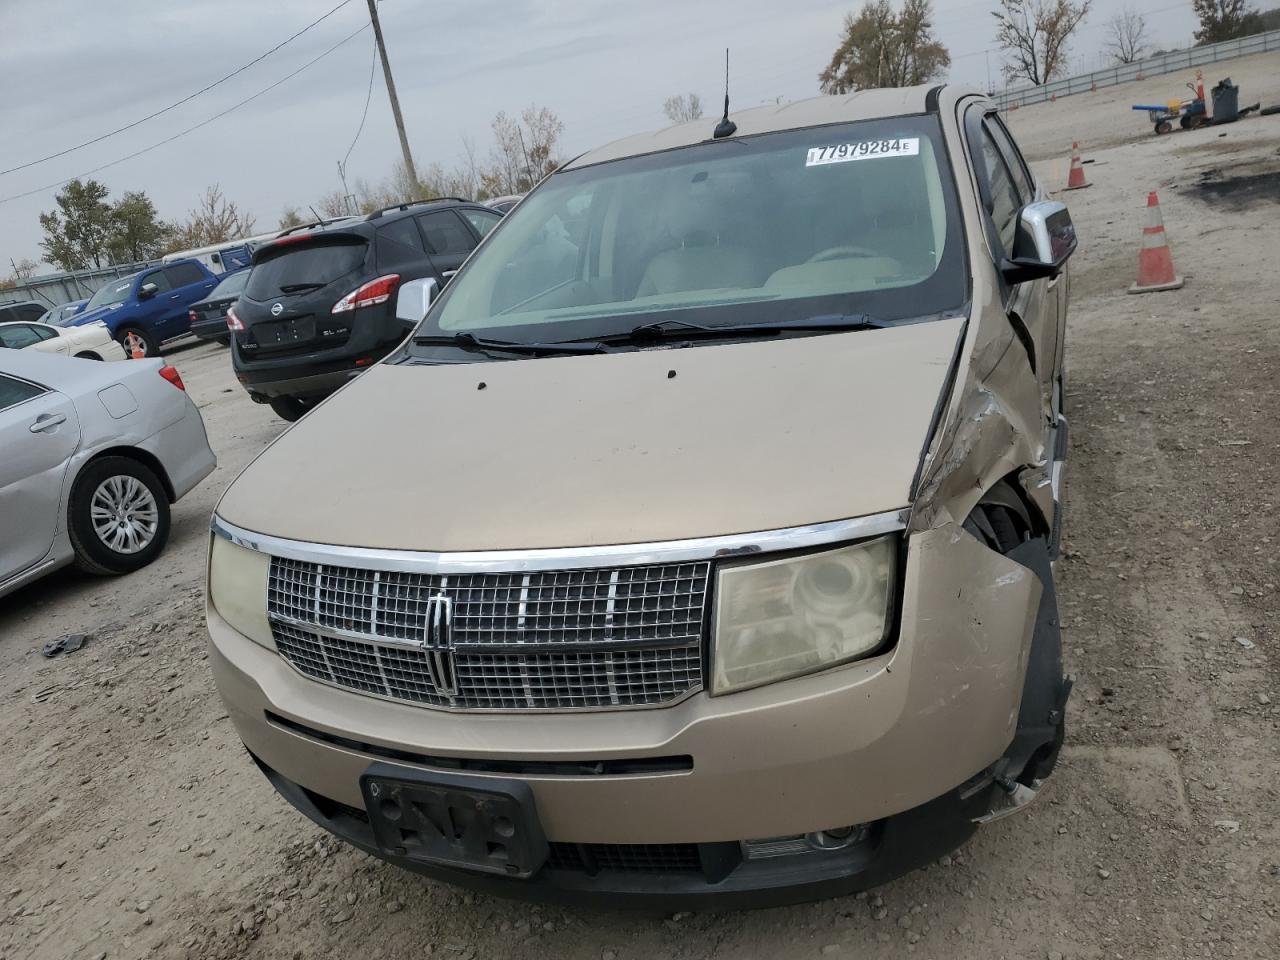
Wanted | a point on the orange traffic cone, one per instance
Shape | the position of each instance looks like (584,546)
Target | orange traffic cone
(1075,177)
(1155,262)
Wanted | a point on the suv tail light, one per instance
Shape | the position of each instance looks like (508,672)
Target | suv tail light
(171,374)
(375,291)
(233,321)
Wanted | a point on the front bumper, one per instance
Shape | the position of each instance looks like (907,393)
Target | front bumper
(857,744)
(714,875)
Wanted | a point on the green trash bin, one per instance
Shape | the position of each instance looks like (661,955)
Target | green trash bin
(1226,102)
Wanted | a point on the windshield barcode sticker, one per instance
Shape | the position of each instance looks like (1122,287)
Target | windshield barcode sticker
(866,150)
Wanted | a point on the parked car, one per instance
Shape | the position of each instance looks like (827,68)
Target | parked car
(319,305)
(89,342)
(147,308)
(58,315)
(209,316)
(697,545)
(26,310)
(94,455)
(218,258)
(504,204)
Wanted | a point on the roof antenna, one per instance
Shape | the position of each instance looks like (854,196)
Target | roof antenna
(726,127)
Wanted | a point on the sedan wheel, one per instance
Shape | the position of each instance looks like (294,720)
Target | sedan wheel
(118,517)
(125,516)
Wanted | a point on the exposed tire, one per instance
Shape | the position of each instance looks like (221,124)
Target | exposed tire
(1000,520)
(289,408)
(1164,126)
(88,355)
(129,337)
(118,517)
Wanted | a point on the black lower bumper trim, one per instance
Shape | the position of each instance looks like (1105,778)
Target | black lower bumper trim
(894,846)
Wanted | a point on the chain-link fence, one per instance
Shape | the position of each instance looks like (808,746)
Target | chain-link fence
(1170,62)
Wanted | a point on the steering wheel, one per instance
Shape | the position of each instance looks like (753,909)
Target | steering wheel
(840,253)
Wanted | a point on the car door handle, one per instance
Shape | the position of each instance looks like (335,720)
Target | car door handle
(447,273)
(175,296)
(47,421)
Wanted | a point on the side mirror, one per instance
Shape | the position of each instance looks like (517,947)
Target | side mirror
(414,299)
(147,291)
(1044,241)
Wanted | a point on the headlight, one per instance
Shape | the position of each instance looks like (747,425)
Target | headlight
(784,618)
(238,589)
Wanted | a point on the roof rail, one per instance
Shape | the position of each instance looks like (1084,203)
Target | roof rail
(413,203)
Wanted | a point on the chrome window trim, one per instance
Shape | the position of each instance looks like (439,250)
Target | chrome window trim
(567,558)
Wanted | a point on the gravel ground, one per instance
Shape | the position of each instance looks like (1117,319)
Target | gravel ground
(133,825)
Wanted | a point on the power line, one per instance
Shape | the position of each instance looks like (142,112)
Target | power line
(178,103)
(373,63)
(202,123)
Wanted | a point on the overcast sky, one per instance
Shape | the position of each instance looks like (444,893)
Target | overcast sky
(71,70)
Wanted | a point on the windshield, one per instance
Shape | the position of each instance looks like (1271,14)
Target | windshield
(116,291)
(231,286)
(855,218)
(315,264)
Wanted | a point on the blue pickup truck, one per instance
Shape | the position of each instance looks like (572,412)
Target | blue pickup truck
(149,307)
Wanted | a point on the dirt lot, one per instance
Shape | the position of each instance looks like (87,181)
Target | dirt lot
(133,825)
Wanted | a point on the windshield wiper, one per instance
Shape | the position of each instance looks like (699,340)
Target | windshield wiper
(469,341)
(664,329)
(299,287)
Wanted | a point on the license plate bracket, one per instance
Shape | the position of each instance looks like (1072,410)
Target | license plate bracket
(475,823)
(285,333)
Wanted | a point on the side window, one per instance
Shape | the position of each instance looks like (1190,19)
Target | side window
(13,392)
(158,278)
(1013,158)
(183,274)
(400,245)
(29,311)
(44,333)
(1003,201)
(445,233)
(482,220)
(19,335)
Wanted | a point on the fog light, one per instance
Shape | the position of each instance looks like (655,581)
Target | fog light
(837,838)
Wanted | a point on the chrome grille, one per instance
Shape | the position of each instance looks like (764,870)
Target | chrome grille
(612,637)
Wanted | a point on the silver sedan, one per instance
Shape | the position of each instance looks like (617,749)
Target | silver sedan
(93,455)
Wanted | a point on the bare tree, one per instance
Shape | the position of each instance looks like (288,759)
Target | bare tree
(683,107)
(1035,33)
(215,219)
(332,204)
(1127,36)
(524,151)
(24,269)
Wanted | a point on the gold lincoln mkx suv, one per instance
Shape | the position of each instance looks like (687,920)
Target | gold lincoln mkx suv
(697,545)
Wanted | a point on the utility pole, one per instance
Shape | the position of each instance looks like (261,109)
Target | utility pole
(391,91)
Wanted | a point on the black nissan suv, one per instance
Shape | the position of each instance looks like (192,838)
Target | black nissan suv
(320,303)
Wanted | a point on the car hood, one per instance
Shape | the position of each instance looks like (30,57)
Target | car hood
(604,449)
